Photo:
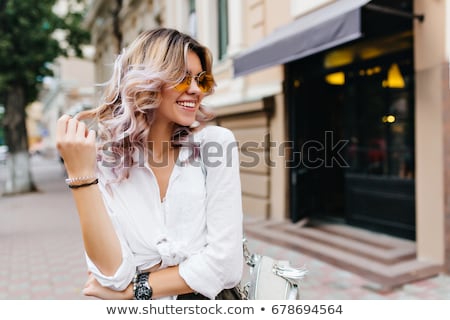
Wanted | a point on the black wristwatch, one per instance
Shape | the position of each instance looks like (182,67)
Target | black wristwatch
(141,287)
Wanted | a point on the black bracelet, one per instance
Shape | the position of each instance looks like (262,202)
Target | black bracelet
(83,185)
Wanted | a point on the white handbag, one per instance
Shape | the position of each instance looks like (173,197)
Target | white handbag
(271,279)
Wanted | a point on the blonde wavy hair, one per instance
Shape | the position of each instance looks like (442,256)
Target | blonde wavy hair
(156,58)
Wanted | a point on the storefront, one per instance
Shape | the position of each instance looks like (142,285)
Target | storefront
(352,123)
(353,129)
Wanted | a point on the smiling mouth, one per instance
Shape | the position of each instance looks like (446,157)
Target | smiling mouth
(187,105)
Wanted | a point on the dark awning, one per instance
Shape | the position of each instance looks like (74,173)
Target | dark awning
(319,30)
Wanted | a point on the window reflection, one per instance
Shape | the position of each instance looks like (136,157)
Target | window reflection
(381,128)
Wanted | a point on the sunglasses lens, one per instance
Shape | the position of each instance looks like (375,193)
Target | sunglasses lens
(205,82)
(184,85)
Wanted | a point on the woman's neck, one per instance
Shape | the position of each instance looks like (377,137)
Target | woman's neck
(160,138)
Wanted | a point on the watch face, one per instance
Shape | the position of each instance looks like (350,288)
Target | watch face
(142,293)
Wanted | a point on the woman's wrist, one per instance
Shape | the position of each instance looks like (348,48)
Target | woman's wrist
(128,293)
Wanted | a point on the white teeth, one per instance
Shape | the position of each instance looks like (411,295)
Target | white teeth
(187,104)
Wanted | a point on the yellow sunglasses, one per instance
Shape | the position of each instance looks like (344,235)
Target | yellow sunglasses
(205,82)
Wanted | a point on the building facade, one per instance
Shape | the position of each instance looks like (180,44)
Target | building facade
(69,91)
(341,107)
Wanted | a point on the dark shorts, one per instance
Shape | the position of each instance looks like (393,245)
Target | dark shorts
(192,296)
(226,294)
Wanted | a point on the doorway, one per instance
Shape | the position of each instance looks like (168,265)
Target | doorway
(317,125)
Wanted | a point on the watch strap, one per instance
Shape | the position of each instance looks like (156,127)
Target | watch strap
(140,283)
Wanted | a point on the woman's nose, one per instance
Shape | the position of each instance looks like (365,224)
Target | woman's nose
(193,87)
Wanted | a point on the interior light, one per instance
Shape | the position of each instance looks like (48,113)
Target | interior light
(338,58)
(336,78)
(388,118)
(370,53)
(394,78)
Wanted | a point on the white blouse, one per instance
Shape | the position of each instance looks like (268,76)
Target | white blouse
(198,225)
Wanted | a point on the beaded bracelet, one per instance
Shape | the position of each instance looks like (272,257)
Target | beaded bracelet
(70,181)
(76,186)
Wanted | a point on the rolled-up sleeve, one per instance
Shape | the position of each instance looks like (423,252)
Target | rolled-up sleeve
(125,273)
(220,264)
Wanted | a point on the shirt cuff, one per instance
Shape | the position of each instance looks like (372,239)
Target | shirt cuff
(120,280)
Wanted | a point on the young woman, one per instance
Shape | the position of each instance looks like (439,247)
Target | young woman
(159,199)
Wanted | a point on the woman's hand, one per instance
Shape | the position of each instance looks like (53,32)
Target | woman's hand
(94,289)
(76,145)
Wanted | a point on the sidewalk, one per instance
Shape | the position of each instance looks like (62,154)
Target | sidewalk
(41,251)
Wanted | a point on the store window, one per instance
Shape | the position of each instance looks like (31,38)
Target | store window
(380,123)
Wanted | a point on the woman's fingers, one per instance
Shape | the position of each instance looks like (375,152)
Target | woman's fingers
(89,287)
(77,146)
(81,131)
(91,136)
(72,126)
(68,128)
(61,125)
(62,121)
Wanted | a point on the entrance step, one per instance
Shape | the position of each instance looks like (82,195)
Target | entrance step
(387,262)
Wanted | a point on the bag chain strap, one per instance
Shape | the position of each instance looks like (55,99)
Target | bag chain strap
(250,259)
(291,274)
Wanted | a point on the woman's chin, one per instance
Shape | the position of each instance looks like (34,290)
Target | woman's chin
(187,122)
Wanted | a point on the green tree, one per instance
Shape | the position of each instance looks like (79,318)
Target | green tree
(28,46)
